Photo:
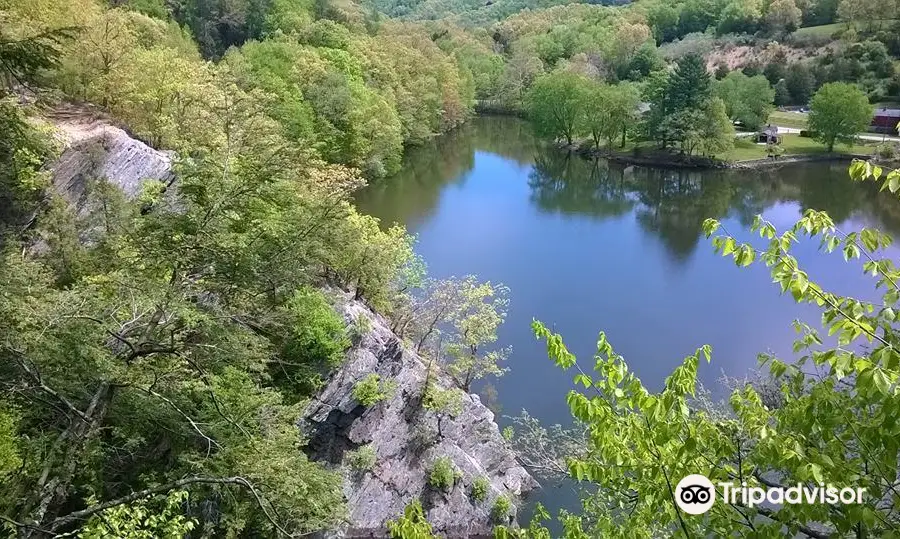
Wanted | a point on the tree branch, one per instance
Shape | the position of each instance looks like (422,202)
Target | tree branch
(163,489)
(36,376)
(809,532)
(209,441)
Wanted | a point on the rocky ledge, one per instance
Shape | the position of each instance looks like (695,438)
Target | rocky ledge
(336,423)
(94,148)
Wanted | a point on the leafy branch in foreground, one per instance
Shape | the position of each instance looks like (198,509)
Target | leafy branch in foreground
(832,416)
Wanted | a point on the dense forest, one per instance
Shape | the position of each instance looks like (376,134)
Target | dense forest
(156,352)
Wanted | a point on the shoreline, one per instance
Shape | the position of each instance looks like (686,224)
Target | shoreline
(790,159)
(663,159)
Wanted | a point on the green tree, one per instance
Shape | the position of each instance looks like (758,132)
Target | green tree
(690,84)
(454,321)
(800,82)
(858,11)
(608,112)
(144,354)
(677,102)
(747,99)
(663,20)
(783,16)
(839,112)
(716,130)
(782,93)
(555,105)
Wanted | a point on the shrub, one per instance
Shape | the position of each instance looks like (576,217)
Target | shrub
(412,524)
(480,489)
(315,343)
(360,327)
(443,474)
(361,459)
(442,400)
(371,390)
(501,510)
(887,151)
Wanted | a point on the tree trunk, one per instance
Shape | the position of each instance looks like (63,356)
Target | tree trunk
(53,486)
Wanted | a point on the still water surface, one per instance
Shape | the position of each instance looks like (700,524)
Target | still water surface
(589,245)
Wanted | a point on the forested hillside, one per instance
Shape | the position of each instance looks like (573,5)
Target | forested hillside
(157,350)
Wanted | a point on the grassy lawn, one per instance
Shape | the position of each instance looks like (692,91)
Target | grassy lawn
(745,150)
(788,119)
(826,30)
(823,30)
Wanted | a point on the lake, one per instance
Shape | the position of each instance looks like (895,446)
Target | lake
(587,245)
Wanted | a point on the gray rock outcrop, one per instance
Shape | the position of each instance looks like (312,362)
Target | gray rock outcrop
(407,439)
(94,148)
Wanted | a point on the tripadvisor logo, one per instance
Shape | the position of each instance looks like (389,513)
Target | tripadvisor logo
(695,494)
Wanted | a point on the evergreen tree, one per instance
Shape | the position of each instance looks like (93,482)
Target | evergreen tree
(690,84)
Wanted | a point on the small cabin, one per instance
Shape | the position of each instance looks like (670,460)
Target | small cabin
(885,121)
(768,135)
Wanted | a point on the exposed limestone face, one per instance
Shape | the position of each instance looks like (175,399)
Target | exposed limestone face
(407,440)
(94,148)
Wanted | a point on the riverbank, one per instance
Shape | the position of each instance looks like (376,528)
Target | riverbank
(645,156)
(768,162)
(745,154)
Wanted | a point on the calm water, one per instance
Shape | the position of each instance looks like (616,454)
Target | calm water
(590,245)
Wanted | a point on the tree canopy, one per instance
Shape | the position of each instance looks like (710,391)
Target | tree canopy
(838,112)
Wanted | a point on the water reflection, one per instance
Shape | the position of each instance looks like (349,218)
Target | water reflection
(672,204)
(668,204)
(443,161)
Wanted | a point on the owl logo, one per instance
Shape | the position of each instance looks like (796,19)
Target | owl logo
(695,494)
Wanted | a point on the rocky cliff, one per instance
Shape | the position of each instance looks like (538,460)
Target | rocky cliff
(93,147)
(407,439)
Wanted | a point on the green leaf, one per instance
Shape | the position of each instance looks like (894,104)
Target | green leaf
(710,226)
(729,246)
(881,381)
(893,182)
(858,170)
(869,239)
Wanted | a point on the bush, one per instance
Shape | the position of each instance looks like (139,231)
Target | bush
(438,399)
(480,488)
(443,474)
(371,390)
(315,343)
(360,327)
(502,509)
(361,459)
(805,133)
(887,151)
(412,524)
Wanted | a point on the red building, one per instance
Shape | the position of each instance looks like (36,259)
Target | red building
(885,121)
